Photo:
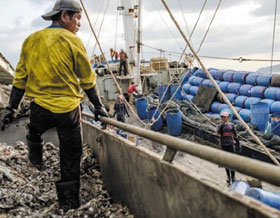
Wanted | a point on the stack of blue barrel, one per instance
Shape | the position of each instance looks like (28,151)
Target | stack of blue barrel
(245,90)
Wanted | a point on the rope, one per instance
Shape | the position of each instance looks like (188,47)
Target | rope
(273,36)
(116,33)
(100,27)
(109,67)
(209,26)
(240,59)
(203,6)
(182,11)
(218,88)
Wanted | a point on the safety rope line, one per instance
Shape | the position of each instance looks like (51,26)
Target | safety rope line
(273,36)
(109,67)
(167,25)
(217,87)
(240,59)
(183,14)
(217,8)
(104,15)
(200,13)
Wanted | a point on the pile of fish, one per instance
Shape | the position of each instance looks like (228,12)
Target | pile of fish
(28,192)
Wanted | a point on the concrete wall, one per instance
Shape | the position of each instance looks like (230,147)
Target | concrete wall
(153,188)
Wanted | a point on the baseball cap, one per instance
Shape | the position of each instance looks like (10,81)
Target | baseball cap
(224,114)
(60,5)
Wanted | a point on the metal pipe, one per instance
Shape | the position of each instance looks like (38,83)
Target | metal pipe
(263,171)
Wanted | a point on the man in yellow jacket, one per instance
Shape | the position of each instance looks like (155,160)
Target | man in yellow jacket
(52,70)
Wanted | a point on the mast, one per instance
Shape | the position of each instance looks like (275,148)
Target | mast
(138,74)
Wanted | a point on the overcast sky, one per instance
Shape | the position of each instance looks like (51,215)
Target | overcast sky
(241,28)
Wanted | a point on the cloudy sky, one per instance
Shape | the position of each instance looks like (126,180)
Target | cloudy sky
(242,28)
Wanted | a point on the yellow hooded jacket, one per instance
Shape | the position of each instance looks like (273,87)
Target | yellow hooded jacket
(53,68)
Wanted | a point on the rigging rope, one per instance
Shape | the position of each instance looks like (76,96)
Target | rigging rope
(116,33)
(109,67)
(218,88)
(100,27)
(273,36)
(182,11)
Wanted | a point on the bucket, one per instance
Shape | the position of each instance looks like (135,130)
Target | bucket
(163,97)
(245,90)
(269,102)
(196,81)
(264,80)
(231,97)
(258,91)
(245,114)
(250,101)
(214,107)
(186,88)
(141,106)
(173,89)
(153,113)
(224,86)
(239,77)
(228,75)
(233,88)
(270,92)
(252,78)
(240,186)
(275,124)
(174,122)
(260,115)
(240,101)
(275,107)
(267,197)
(193,90)
(216,74)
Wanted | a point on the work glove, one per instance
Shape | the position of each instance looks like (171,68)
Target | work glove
(94,98)
(9,115)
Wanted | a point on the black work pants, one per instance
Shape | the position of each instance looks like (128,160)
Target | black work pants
(69,134)
(123,65)
(231,149)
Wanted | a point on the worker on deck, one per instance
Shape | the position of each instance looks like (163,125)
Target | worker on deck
(120,109)
(116,56)
(228,136)
(123,63)
(52,69)
(131,89)
(112,54)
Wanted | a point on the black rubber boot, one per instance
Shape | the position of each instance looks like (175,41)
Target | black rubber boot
(35,153)
(68,194)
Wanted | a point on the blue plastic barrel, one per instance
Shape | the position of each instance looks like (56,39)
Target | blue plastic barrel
(260,115)
(141,107)
(275,124)
(270,92)
(217,74)
(251,78)
(278,95)
(231,97)
(234,88)
(153,112)
(269,102)
(212,85)
(267,197)
(162,94)
(250,101)
(245,90)
(238,109)
(240,101)
(175,88)
(245,114)
(258,91)
(240,77)
(196,81)
(188,97)
(264,80)
(193,90)
(275,107)
(200,73)
(206,82)
(228,75)
(215,107)
(240,186)
(174,122)
(184,78)
(224,86)
(191,79)
(221,107)
(186,88)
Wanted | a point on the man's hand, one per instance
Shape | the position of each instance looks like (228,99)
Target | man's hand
(7,117)
(102,112)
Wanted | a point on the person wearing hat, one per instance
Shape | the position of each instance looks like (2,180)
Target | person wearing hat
(227,133)
(52,69)
(123,62)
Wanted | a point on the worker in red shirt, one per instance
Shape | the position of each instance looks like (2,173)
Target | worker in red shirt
(132,88)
